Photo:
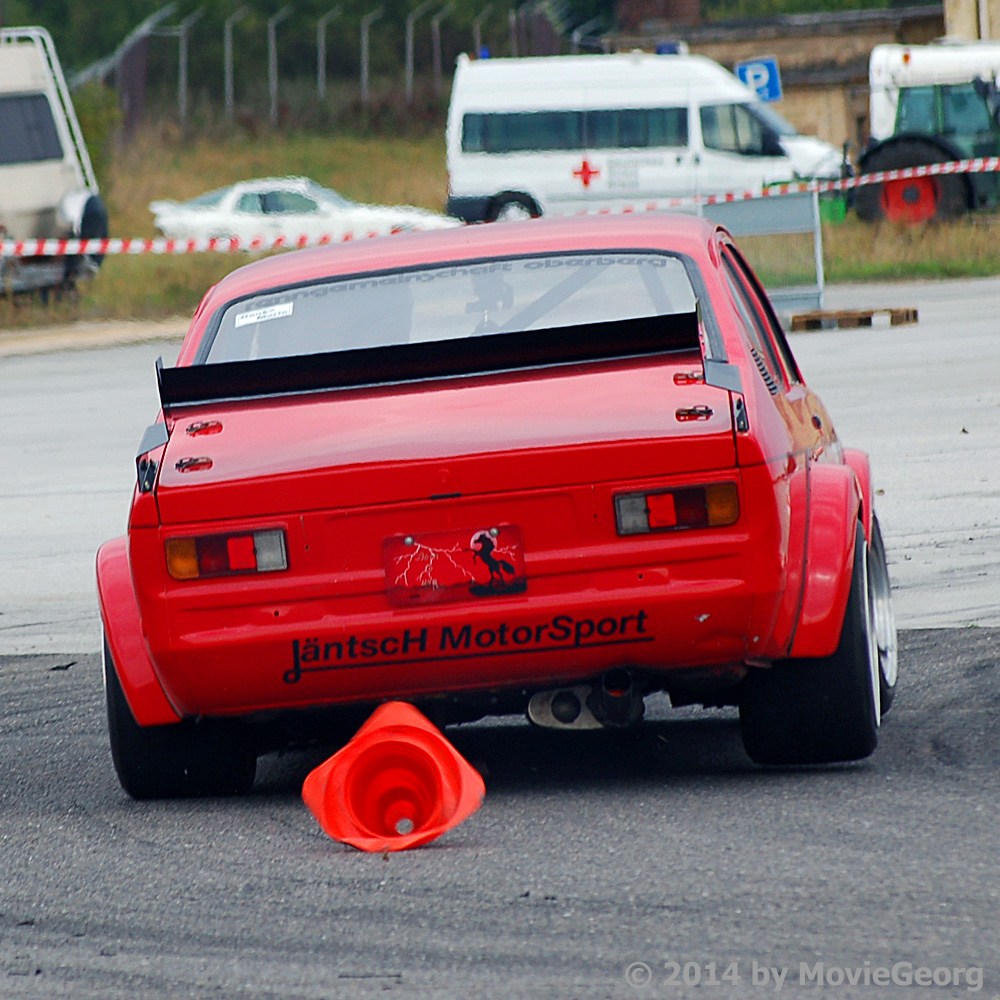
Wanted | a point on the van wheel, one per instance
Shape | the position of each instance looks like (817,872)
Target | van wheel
(209,757)
(512,208)
(822,710)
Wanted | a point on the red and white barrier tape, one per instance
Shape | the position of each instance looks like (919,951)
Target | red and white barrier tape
(62,248)
(980,165)
(162,245)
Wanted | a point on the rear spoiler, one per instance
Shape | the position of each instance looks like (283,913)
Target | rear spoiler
(405,363)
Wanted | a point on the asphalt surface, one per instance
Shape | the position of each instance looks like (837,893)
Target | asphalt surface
(592,852)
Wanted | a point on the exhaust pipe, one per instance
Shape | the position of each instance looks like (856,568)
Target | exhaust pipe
(616,701)
(613,702)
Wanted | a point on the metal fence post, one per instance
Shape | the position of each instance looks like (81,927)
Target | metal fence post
(321,50)
(436,42)
(525,25)
(580,33)
(227,58)
(272,59)
(411,19)
(366,22)
(182,64)
(477,29)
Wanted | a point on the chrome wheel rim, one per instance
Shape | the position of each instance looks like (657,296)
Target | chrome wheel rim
(874,660)
(882,615)
(513,211)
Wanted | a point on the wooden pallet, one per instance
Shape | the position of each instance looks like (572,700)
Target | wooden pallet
(828,319)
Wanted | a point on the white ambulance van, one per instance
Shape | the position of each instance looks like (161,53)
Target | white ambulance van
(561,134)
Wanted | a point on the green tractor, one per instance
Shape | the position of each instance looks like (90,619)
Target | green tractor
(931,104)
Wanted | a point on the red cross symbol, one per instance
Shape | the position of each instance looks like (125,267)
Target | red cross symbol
(585,172)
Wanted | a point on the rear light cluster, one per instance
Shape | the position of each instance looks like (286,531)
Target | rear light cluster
(710,506)
(227,555)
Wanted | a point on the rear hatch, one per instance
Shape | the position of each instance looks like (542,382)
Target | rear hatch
(611,421)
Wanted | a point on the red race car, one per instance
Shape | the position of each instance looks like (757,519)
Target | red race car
(546,468)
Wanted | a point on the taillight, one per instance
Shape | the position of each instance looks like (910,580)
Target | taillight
(226,555)
(715,505)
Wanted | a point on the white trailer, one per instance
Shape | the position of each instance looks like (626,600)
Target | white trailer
(47,183)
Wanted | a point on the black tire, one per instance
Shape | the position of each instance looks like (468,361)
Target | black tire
(822,710)
(510,206)
(209,757)
(943,197)
(883,619)
(93,226)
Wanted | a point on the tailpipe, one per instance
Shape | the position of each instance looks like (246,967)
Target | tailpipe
(616,700)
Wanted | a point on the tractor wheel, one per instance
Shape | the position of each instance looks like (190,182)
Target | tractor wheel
(917,199)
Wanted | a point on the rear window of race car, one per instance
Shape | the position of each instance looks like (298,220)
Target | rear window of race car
(451,302)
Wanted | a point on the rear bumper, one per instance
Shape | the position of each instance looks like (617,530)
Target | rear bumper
(310,653)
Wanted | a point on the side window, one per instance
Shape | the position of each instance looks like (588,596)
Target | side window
(289,201)
(759,343)
(731,128)
(769,332)
(249,203)
(615,128)
(915,112)
(522,131)
(963,110)
(668,127)
(636,128)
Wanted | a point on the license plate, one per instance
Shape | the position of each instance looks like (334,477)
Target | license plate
(444,566)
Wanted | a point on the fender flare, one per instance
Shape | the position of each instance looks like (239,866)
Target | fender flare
(834,508)
(858,461)
(123,629)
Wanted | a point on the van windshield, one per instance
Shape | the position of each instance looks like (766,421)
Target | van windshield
(453,302)
(775,122)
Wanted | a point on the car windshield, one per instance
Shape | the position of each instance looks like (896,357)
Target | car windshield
(451,302)
(765,113)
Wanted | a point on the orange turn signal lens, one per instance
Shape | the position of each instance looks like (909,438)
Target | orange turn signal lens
(182,558)
(712,506)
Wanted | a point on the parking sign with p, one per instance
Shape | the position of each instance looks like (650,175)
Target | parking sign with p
(762,76)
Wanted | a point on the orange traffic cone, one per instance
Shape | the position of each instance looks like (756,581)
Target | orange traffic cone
(397,784)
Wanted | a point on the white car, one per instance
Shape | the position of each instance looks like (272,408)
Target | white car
(286,206)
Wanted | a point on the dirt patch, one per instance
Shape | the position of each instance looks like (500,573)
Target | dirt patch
(83,336)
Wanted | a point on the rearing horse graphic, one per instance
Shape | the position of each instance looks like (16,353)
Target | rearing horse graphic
(483,546)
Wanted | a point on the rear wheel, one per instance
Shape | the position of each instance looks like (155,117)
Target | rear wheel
(509,207)
(916,199)
(825,709)
(210,757)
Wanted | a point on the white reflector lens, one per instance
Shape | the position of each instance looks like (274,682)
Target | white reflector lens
(270,549)
(631,511)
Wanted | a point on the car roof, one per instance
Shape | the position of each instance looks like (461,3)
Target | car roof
(666,231)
